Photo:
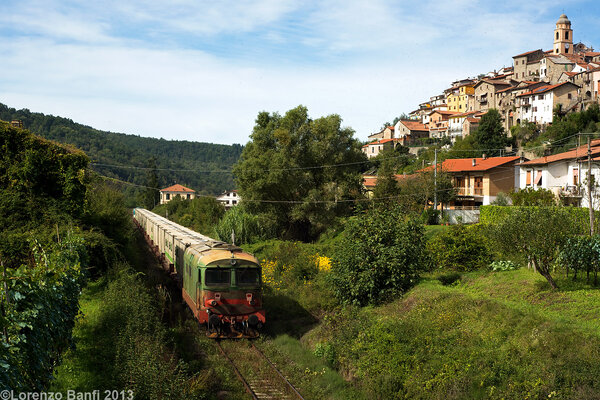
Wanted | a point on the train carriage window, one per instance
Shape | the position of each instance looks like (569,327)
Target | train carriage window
(247,276)
(217,277)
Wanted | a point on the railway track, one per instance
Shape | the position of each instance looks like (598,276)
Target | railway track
(259,375)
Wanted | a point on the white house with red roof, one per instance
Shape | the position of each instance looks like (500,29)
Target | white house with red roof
(565,174)
(537,105)
(169,193)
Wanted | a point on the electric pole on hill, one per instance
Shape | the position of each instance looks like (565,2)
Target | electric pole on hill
(589,154)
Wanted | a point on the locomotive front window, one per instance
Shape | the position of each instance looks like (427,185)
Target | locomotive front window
(217,277)
(247,276)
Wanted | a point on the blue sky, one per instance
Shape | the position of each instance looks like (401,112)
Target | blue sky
(202,70)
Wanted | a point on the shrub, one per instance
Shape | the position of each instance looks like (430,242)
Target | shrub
(461,248)
(581,254)
(381,254)
(246,227)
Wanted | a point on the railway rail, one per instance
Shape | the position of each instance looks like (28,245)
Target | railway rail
(258,378)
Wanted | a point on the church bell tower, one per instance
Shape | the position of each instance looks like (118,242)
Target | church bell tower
(563,36)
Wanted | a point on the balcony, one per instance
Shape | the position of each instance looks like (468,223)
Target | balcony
(469,191)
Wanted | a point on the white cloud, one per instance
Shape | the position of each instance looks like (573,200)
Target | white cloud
(368,62)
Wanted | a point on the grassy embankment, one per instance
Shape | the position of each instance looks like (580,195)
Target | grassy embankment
(490,335)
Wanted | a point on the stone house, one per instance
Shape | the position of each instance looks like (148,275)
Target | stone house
(526,65)
(485,93)
(385,133)
(407,131)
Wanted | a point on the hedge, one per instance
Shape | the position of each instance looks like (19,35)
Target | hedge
(495,214)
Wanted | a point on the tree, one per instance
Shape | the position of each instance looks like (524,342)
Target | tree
(536,233)
(287,171)
(380,256)
(490,137)
(152,192)
(387,189)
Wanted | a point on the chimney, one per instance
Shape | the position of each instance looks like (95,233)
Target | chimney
(484,157)
(473,162)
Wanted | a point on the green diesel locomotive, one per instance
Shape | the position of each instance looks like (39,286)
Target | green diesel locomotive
(220,282)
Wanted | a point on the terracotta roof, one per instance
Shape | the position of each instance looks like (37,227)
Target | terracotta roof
(527,53)
(178,188)
(544,89)
(413,125)
(578,152)
(473,120)
(445,112)
(466,164)
(371,181)
(592,53)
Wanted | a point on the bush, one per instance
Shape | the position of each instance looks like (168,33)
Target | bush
(248,228)
(460,248)
(380,256)
(581,254)
(430,216)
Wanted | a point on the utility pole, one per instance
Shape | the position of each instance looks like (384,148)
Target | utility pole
(435,179)
(590,188)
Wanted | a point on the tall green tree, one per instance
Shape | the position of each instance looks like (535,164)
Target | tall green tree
(490,136)
(152,192)
(387,189)
(283,171)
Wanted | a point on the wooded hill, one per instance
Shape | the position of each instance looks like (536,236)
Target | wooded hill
(188,163)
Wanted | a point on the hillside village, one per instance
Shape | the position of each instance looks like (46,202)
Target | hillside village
(539,80)
(562,80)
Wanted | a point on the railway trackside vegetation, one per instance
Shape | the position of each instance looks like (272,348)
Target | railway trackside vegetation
(66,232)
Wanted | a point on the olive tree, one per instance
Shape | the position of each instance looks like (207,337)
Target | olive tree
(535,233)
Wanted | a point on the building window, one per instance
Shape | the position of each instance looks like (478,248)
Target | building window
(567,35)
(188,196)
(528,179)
(557,35)
(168,196)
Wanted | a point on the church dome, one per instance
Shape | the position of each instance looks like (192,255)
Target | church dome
(563,20)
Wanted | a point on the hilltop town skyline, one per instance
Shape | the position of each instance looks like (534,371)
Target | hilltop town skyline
(203,72)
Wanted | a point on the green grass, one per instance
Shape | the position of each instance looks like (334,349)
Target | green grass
(84,368)
(434,230)
(490,335)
